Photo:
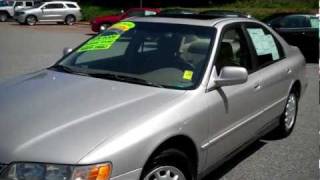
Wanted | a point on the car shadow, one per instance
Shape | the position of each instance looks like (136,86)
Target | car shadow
(91,34)
(233,162)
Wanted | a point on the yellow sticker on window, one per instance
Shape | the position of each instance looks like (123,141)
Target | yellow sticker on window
(99,43)
(123,26)
(187,75)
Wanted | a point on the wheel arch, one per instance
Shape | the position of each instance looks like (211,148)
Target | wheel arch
(180,142)
(5,12)
(33,16)
(296,88)
(71,15)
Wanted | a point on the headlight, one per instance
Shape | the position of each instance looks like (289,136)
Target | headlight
(38,171)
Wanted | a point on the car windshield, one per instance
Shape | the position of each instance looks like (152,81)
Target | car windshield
(6,3)
(157,54)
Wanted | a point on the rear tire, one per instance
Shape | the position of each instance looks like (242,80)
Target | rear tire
(3,17)
(288,117)
(170,164)
(70,20)
(31,20)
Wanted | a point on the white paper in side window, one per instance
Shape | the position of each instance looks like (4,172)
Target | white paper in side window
(264,44)
(272,47)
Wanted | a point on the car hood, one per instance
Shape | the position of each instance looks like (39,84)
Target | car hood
(57,117)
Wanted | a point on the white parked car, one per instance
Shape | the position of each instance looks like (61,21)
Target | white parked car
(8,8)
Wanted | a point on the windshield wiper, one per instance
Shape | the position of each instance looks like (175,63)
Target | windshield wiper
(67,70)
(126,79)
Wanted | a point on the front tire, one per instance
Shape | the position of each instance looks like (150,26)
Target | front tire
(3,17)
(288,117)
(31,20)
(170,164)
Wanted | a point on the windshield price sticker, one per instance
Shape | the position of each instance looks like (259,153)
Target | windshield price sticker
(100,43)
(123,26)
(103,42)
(187,75)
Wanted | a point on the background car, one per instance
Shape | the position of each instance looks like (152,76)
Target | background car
(177,11)
(101,23)
(225,13)
(67,12)
(298,29)
(8,8)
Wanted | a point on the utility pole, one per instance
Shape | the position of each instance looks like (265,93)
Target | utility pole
(141,3)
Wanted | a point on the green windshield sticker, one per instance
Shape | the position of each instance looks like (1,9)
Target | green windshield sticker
(100,43)
(123,26)
(103,42)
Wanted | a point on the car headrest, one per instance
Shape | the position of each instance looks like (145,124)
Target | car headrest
(226,52)
(199,47)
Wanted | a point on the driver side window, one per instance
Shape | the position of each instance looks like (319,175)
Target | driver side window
(233,50)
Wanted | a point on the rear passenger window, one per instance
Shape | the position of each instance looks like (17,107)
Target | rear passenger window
(29,4)
(71,6)
(54,6)
(294,21)
(267,48)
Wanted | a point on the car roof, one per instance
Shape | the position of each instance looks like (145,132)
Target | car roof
(143,8)
(277,15)
(59,1)
(188,19)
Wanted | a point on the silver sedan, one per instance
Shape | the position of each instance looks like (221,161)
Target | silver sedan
(153,98)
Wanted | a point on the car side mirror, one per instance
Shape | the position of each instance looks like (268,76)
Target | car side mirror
(231,75)
(67,51)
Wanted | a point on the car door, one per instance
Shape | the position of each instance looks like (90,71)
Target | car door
(292,28)
(272,72)
(53,11)
(232,108)
(312,38)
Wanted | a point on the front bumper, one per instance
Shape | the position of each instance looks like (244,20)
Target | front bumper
(20,18)
(132,175)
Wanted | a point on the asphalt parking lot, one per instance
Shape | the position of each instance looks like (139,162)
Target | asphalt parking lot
(25,49)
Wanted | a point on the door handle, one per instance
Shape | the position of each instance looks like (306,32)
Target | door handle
(257,86)
(289,71)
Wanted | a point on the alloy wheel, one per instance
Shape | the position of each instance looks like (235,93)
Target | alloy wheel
(70,20)
(31,20)
(290,112)
(3,17)
(165,173)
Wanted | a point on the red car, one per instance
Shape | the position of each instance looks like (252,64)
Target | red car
(100,23)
